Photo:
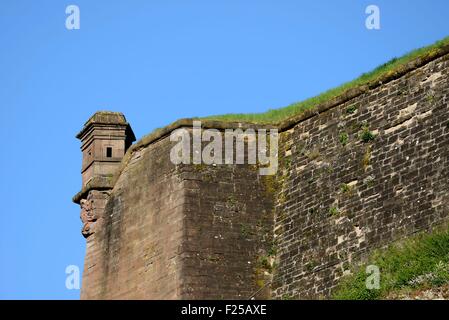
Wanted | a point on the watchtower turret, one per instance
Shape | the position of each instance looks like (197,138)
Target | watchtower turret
(105,138)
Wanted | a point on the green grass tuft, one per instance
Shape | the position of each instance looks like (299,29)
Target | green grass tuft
(333,211)
(273,116)
(366,135)
(418,262)
(351,109)
(344,137)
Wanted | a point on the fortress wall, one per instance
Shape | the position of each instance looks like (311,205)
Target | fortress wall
(92,282)
(181,232)
(228,225)
(338,200)
(139,243)
(167,231)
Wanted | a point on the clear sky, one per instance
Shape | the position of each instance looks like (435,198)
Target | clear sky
(157,61)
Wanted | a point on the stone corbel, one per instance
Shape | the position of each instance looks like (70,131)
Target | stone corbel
(87,217)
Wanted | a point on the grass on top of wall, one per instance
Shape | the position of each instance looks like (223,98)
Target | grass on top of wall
(420,262)
(273,116)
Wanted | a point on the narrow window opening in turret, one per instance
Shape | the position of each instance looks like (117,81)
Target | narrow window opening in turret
(108,152)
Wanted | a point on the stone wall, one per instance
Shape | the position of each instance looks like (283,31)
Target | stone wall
(180,232)
(228,225)
(359,176)
(353,177)
(136,253)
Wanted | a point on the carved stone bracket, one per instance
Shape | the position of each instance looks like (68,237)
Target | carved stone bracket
(92,210)
(87,217)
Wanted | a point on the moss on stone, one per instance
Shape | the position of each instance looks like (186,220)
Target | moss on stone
(366,158)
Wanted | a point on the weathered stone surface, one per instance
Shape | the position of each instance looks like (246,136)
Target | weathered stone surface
(341,199)
(180,231)
(356,176)
(105,138)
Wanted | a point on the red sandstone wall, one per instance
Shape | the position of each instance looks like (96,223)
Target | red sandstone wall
(198,231)
(136,253)
(187,231)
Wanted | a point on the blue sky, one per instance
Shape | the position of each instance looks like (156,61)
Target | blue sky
(157,61)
